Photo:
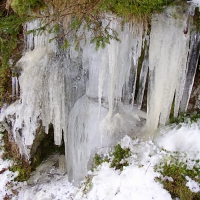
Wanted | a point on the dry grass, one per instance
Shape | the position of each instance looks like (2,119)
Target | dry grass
(20,164)
(11,148)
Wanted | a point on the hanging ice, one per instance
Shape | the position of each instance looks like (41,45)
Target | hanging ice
(191,70)
(143,75)
(99,117)
(93,98)
(15,88)
(167,67)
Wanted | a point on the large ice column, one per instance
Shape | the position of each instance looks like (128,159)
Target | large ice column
(83,137)
(167,66)
(99,118)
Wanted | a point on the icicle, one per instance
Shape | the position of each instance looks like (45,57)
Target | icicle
(143,75)
(35,38)
(17,88)
(135,68)
(168,50)
(180,83)
(13,87)
(86,94)
(113,74)
(128,59)
(101,80)
(192,65)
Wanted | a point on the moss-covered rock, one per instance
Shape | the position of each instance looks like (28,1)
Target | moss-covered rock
(43,146)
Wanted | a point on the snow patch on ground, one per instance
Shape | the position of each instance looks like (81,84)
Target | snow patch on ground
(6,176)
(136,181)
(193,185)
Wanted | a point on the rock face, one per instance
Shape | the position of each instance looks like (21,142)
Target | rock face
(194,103)
(94,98)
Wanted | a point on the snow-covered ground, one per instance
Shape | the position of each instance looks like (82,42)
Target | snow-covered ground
(136,181)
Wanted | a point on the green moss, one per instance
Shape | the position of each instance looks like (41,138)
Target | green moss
(87,184)
(120,156)
(23,168)
(99,159)
(23,7)
(136,8)
(10,30)
(5,85)
(117,159)
(186,118)
(10,39)
(178,170)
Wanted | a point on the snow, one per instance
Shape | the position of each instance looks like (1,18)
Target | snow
(175,140)
(6,175)
(57,188)
(132,183)
(136,181)
(196,2)
(194,186)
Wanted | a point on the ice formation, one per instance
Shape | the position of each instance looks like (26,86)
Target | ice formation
(167,68)
(15,87)
(94,98)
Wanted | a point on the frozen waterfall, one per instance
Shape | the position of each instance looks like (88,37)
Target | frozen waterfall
(168,51)
(94,98)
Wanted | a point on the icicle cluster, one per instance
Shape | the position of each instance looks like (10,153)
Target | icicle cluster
(173,59)
(94,98)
